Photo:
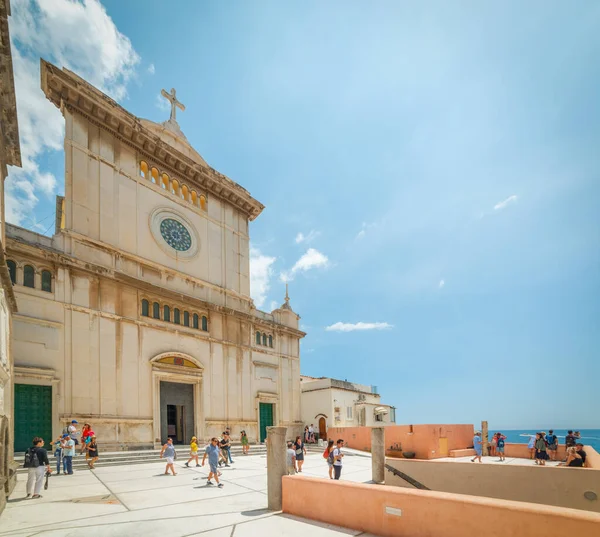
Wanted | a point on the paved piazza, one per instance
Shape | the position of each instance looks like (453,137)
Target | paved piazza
(140,500)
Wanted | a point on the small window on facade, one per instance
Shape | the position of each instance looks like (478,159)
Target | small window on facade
(204,323)
(264,342)
(28,276)
(186,318)
(154,176)
(258,338)
(12,270)
(156,310)
(176,317)
(203,203)
(145,308)
(196,325)
(271,341)
(185,193)
(144,170)
(164,182)
(166,314)
(349,412)
(46,281)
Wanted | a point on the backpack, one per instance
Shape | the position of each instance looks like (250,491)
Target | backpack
(500,442)
(326,453)
(331,458)
(551,439)
(31,459)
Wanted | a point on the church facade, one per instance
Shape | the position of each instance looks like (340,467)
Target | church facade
(136,315)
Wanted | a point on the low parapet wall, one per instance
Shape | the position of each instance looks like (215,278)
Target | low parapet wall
(562,487)
(390,512)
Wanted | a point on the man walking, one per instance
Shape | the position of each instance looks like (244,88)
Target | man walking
(68,454)
(38,465)
(212,452)
(477,446)
(337,459)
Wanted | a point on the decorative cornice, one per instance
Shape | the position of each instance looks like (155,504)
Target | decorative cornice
(60,258)
(9,125)
(67,90)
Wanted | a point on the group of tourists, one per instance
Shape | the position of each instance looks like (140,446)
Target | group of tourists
(218,452)
(66,445)
(309,434)
(65,448)
(542,447)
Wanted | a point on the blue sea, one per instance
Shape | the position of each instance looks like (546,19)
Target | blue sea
(590,437)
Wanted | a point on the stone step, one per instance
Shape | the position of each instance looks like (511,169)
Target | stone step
(139,457)
(152,452)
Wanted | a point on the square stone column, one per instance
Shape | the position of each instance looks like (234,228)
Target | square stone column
(378,454)
(276,465)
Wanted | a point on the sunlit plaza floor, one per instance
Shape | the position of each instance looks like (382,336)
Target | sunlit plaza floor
(140,500)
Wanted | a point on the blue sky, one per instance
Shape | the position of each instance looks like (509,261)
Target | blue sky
(440,161)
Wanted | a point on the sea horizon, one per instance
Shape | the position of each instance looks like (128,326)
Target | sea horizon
(590,437)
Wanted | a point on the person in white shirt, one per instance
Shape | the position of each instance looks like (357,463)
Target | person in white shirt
(337,459)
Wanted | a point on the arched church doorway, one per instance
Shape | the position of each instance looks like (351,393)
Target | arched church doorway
(177,395)
(322,428)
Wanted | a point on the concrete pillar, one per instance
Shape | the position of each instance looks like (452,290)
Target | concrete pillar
(378,454)
(484,438)
(276,465)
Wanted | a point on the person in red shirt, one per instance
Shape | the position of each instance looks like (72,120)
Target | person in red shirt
(86,436)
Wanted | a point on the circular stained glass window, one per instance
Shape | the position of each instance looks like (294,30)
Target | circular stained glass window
(175,235)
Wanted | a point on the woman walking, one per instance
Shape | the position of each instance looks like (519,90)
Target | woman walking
(540,450)
(92,452)
(245,443)
(168,450)
(193,452)
(300,451)
(326,454)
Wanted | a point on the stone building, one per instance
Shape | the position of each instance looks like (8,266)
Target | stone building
(136,315)
(328,402)
(10,155)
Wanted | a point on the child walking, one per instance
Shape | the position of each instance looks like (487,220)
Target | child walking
(193,452)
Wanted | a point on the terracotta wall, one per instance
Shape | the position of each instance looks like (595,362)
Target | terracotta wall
(390,512)
(424,440)
(563,487)
(521,451)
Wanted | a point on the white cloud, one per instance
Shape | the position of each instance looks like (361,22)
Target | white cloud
(78,35)
(261,272)
(151,69)
(352,327)
(312,235)
(274,305)
(441,284)
(310,260)
(503,204)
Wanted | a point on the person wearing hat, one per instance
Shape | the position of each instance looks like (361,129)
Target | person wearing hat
(71,430)
(193,452)
(477,445)
(68,453)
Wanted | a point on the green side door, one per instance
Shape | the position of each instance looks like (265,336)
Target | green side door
(33,415)
(265,419)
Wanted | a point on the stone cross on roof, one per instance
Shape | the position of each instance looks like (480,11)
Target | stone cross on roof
(172,98)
